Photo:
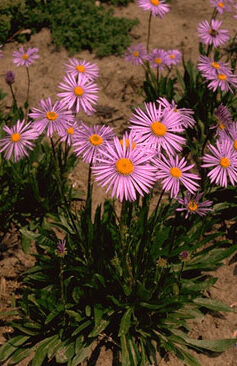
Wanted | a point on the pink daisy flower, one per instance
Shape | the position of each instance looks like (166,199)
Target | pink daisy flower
(224,121)
(193,205)
(185,114)
(136,54)
(157,7)
(68,132)
(210,33)
(75,67)
(158,128)
(226,81)
(158,58)
(174,57)
(54,117)
(224,161)
(90,142)
(208,67)
(172,172)
(232,130)
(18,140)
(25,58)
(220,5)
(125,171)
(79,94)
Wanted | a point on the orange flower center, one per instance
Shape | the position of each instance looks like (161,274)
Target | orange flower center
(172,56)
(124,166)
(136,53)
(192,205)
(25,56)
(51,116)
(221,5)
(80,68)
(224,162)
(215,65)
(158,60)
(70,130)
(221,125)
(222,76)
(158,128)
(95,140)
(127,143)
(175,172)
(78,91)
(15,137)
(155,2)
(213,32)
(235,145)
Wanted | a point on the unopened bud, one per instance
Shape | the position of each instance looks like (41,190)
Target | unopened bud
(10,77)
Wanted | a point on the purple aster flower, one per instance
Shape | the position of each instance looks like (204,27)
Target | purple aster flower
(224,121)
(224,161)
(208,67)
(158,128)
(10,77)
(158,58)
(223,80)
(25,58)
(172,172)
(90,142)
(173,57)
(185,255)
(157,7)
(68,132)
(136,54)
(79,94)
(75,67)
(185,114)
(210,34)
(61,248)
(221,6)
(18,140)
(233,134)
(1,54)
(125,171)
(193,205)
(54,117)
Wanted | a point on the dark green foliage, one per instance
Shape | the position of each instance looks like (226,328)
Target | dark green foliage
(74,24)
(117,2)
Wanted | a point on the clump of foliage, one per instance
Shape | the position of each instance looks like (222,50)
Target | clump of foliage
(74,25)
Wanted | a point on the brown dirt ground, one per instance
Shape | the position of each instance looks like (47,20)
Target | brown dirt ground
(119,85)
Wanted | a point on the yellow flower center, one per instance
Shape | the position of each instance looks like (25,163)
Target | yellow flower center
(175,110)
(136,53)
(192,205)
(70,130)
(78,91)
(25,56)
(222,76)
(127,143)
(221,125)
(124,166)
(158,60)
(80,68)
(15,137)
(155,2)
(224,162)
(51,116)
(175,172)
(221,5)
(215,65)
(172,56)
(158,128)
(95,140)
(235,145)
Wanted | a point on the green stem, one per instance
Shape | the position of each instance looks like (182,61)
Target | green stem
(13,96)
(62,290)
(149,32)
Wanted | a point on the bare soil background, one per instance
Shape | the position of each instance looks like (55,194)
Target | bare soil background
(120,89)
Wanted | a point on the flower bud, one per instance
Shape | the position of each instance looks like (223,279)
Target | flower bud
(10,77)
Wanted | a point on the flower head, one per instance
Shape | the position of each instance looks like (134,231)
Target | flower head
(226,81)
(221,5)
(68,132)
(136,54)
(53,116)
(10,77)
(158,58)
(210,33)
(173,171)
(124,170)
(79,93)
(185,256)
(18,140)
(192,205)
(224,121)
(173,57)
(82,67)
(61,248)
(158,128)
(25,58)
(90,142)
(224,160)
(185,114)
(208,67)
(157,7)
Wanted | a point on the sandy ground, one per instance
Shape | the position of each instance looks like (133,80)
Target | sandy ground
(120,89)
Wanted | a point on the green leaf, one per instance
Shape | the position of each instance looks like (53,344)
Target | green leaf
(42,350)
(187,357)
(20,355)
(99,328)
(124,351)
(11,346)
(65,353)
(81,327)
(215,305)
(53,314)
(84,353)
(125,322)
(75,315)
